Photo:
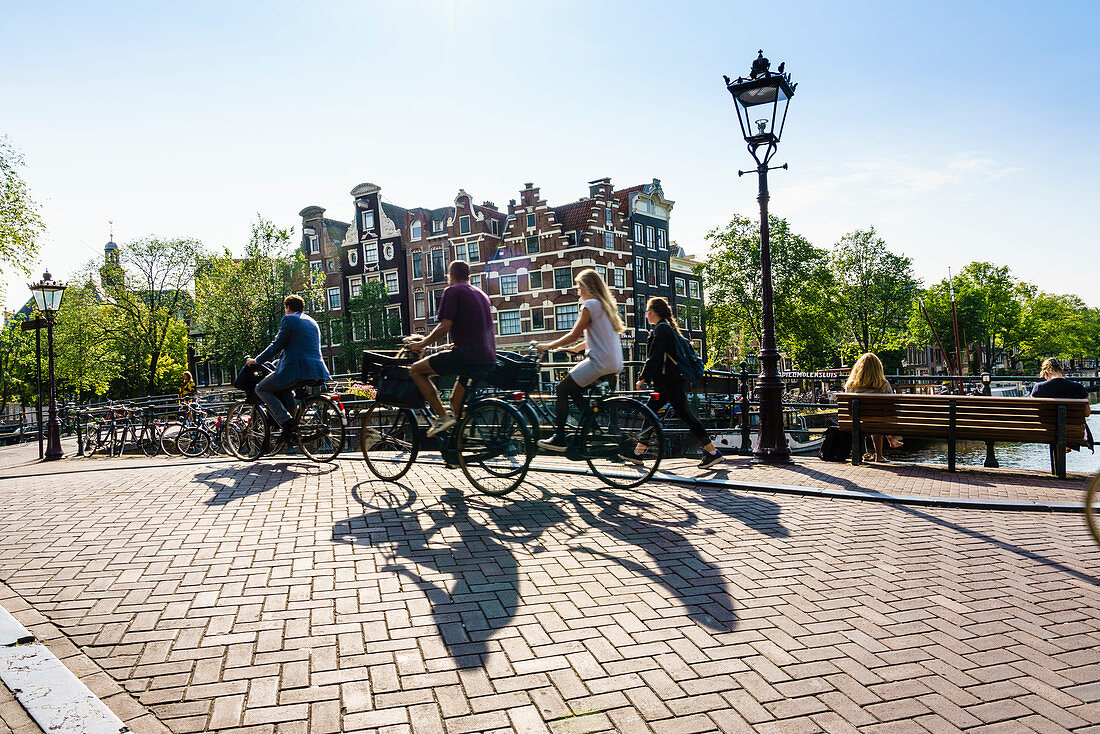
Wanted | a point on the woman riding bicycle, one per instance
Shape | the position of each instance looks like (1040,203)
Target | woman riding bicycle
(599,323)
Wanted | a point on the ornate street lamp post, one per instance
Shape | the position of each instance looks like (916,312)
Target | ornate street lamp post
(761,100)
(47,297)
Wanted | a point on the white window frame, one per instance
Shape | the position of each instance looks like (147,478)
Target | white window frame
(418,259)
(566,287)
(693,290)
(662,244)
(473,252)
(639,234)
(419,309)
(530,280)
(662,272)
(681,286)
(619,278)
(464,224)
(370,253)
(390,278)
(353,257)
(475,281)
(460,252)
(650,238)
(416,231)
(355,286)
(601,270)
(314,244)
(333,292)
(569,312)
(437,226)
(366,220)
(387,250)
(332,334)
(509,317)
(609,240)
(607,216)
(390,311)
(512,287)
(532,220)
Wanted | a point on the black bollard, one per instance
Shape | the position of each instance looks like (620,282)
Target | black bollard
(987,390)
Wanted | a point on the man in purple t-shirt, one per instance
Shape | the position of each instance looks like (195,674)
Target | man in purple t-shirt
(465,314)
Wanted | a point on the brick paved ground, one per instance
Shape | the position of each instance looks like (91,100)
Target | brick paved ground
(289,597)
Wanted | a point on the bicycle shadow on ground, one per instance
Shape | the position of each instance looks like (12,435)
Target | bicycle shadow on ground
(443,539)
(239,481)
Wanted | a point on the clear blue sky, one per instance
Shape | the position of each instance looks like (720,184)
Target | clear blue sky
(961,131)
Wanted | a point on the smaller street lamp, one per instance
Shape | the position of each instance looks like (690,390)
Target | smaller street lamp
(47,297)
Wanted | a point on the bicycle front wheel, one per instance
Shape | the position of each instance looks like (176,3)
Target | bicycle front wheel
(1092,506)
(612,433)
(321,429)
(150,445)
(192,442)
(390,441)
(495,446)
(246,431)
(168,438)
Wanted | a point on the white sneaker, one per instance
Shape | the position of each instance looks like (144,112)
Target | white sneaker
(438,425)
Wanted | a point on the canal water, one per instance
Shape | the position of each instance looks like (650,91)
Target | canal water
(1015,455)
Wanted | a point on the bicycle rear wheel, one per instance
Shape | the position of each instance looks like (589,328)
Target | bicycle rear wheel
(192,442)
(494,446)
(168,438)
(246,431)
(611,431)
(390,441)
(1092,506)
(150,445)
(320,429)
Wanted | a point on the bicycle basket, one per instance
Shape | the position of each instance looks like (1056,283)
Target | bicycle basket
(247,378)
(396,388)
(515,372)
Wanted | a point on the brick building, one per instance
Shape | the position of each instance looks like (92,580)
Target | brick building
(525,259)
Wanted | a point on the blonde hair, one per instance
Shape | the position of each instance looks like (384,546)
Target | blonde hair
(867,373)
(597,288)
(1051,366)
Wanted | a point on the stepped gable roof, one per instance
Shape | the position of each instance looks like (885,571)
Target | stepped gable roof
(573,216)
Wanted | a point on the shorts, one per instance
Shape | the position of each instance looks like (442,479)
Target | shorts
(452,364)
(588,371)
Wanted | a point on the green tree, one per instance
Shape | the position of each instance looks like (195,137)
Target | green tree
(86,359)
(803,293)
(1055,325)
(17,364)
(20,222)
(875,291)
(148,296)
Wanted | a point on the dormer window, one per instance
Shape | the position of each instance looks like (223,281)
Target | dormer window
(416,231)
(464,225)
(494,226)
(437,225)
(366,220)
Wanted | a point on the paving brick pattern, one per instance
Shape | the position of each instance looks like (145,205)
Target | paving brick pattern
(288,597)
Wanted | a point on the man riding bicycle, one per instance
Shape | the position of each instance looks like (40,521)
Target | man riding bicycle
(465,314)
(299,340)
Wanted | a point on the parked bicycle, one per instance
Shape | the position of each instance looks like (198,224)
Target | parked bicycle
(206,435)
(1092,506)
(491,441)
(251,432)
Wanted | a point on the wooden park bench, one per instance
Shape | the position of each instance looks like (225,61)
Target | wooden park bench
(1056,422)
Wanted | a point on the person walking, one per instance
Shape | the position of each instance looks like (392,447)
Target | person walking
(299,341)
(599,323)
(188,389)
(867,376)
(465,314)
(663,372)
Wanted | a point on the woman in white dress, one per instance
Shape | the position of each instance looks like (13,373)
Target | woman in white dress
(599,323)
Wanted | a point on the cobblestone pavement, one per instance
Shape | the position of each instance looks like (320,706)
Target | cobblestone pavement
(289,597)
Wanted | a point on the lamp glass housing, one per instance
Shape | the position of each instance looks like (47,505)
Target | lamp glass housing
(762,107)
(48,295)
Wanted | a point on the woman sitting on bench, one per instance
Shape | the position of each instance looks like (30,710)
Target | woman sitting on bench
(868,377)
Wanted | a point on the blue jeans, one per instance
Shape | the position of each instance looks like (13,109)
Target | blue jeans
(279,399)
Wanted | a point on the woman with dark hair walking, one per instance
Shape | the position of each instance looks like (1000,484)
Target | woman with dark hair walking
(662,371)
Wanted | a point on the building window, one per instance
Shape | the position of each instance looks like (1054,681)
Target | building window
(416,231)
(682,317)
(439,272)
(639,270)
(460,252)
(418,305)
(353,257)
(693,285)
(661,244)
(330,265)
(530,221)
(333,299)
(391,282)
(638,234)
(537,321)
(622,313)
(493,226)
(437,225)
(532,244)
(534,278)
(370,253)
(314,244)
(464,225)
(475,281)
(649,238)
(355,287)
(662,272)
(366,220)
(509,285)
(433,306)
(418,265)
(565,316)
(651,272)
(607,216)
(609,240)
(563,277)
(473,252)
(620,278)
(509,323)
(680,287)
(602,272)
(387,250)
(698,345)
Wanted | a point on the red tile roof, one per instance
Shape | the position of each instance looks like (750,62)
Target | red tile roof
(573,216)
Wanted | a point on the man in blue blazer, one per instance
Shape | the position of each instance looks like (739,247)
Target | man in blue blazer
(299,339)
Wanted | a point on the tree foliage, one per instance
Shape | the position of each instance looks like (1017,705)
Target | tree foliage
(87,360)
(20,222)
(803,293)
(875,292)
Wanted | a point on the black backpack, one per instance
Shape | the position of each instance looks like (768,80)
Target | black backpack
(836,446)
